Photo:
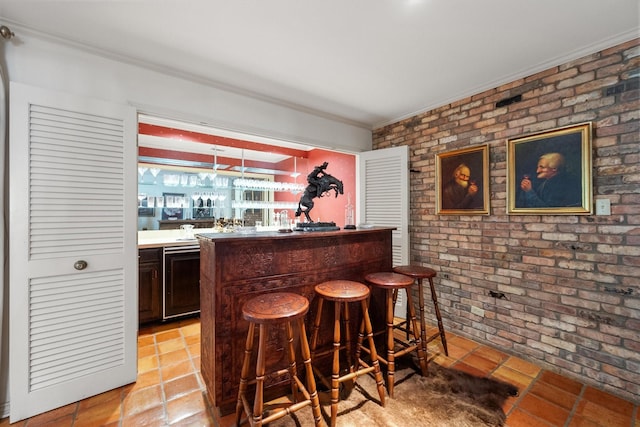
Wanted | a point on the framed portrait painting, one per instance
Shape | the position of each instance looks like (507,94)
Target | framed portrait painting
(462,182)
(550,172)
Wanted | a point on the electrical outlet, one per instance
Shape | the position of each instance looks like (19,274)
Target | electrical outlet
(477,311)
(603,207)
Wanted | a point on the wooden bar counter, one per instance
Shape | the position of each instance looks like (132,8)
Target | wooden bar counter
(235,267)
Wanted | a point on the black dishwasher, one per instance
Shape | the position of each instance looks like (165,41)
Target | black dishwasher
(181,284)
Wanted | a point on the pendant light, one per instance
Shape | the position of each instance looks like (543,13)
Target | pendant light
(295,173)
(215,165)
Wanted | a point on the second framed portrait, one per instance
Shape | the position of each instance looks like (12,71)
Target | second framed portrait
(550,172)
(462,182)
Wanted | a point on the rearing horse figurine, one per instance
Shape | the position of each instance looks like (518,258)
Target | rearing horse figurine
(320,184)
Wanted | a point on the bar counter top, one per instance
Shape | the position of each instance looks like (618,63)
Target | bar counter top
(162,238)
(274,234)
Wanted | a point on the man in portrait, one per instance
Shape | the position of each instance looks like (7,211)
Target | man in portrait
(459,192)
(553,186)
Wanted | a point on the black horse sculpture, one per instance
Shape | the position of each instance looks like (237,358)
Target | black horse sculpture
(320,184)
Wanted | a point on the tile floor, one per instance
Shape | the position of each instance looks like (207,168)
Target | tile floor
(170,391)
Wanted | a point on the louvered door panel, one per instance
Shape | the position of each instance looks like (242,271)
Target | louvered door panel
(76,326)
(384,199)
(76,187)
(73,328)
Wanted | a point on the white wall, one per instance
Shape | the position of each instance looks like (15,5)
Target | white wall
(49,64)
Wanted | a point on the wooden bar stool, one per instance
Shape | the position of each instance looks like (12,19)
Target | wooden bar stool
(418,272)
(343,292)
(276,309)
(392,283)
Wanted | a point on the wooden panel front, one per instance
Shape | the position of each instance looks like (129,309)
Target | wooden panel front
(233,270)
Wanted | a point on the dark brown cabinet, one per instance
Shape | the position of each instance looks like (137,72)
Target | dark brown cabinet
(149,285)
(168,283)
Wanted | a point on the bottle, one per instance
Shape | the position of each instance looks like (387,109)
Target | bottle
(349,214)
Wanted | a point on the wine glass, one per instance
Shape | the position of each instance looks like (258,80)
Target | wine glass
(141,172)
(195,196)
(222,198)
(154,172)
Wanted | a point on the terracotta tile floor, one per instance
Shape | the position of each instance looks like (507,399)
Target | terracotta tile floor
(170,391)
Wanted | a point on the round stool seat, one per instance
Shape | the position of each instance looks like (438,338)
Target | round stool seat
(389,280)
(342,290)
(277,307)
(416,271)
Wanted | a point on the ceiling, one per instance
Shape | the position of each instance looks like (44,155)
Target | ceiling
(366,62)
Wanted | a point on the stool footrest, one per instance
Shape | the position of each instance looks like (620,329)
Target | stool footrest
(409,349)
(412,343)
(317,354)
(433,337)
(285,411)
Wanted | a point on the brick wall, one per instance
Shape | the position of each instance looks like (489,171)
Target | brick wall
(572,282)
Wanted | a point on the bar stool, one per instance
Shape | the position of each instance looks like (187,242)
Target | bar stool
(418,272)
(341,293)
(392,283)
(276,309)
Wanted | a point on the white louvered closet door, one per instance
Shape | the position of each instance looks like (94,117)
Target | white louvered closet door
(73,257)
(384,199)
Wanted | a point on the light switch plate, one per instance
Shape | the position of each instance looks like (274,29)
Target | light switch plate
(603,207)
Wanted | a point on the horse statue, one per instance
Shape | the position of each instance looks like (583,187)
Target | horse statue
(320,184)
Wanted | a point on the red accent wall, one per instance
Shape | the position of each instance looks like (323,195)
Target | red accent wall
(341,165)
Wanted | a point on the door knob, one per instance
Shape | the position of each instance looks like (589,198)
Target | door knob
(80,265)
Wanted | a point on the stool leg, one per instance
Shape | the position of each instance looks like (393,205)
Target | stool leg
(311,382)
(360,341)
(316,326)
(434,297)
(244,373)
(335,369)
(291,354)
(421,354)
(366,323)
(423,324)
(346,320)
(390,342)
(406,318)
(258,403)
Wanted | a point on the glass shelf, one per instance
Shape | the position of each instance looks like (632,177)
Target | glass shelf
(264,185)
(259,204)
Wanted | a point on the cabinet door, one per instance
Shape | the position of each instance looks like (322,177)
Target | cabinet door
(182,284)
(149,307)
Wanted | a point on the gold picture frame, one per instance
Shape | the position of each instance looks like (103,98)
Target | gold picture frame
(549,173)
(462,181)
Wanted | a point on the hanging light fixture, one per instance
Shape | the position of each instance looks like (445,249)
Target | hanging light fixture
(242,172)
(214,174)
(295,173)
(295,189)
